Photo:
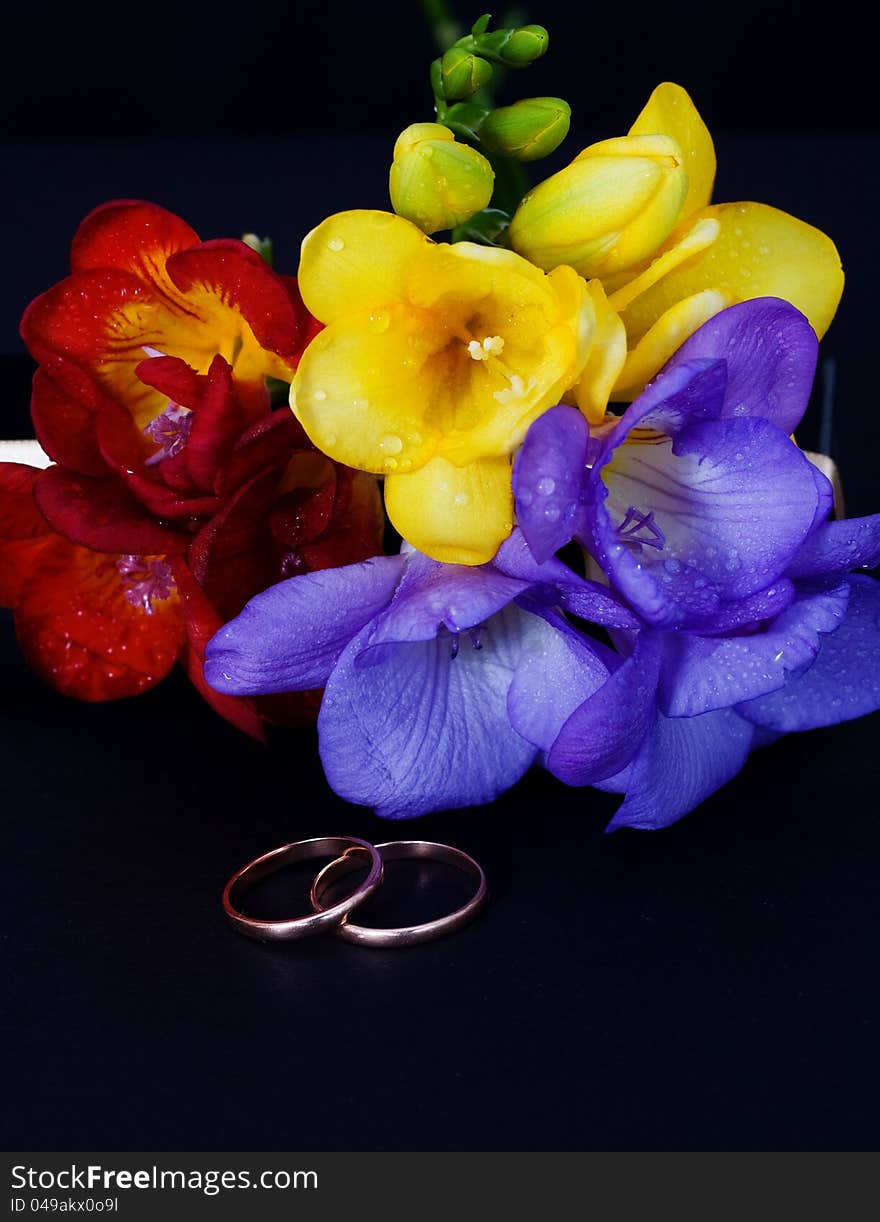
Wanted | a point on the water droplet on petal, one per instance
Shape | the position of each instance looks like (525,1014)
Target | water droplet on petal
(546,485)
(552,513)
(336,244)
(390,443)
(379,322)
(461,499)
(319,395)
(390,464)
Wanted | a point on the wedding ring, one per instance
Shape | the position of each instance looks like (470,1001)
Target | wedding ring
(354,852)
(407,935)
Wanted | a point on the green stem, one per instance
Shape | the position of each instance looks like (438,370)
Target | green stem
(444,27)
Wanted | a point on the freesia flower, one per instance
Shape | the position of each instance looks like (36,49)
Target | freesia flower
(438,678)
(636,212)
(129,552)
(710,524)
(434,361)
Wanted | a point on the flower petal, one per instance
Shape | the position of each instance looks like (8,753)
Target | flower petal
(358,260)
(290,636)
(363,388)
(713,516)
(24,532)
(133,235)
(682,760)
(550,684)
(101,514)
(432,597)
(669,111)
(603,734)
(759,252)
(459,515)
(421,730)
(663,339)
(837,547)
(202,621)
(547,478)
(704,673)
(770,349)
(844,680)
(80,631)
(65,427)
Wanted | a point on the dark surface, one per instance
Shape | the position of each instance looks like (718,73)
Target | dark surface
(712,986)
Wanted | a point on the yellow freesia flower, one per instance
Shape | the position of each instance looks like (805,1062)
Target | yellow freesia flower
(434,361)
(667,272)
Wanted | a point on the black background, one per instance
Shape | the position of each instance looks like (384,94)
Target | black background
(713,986)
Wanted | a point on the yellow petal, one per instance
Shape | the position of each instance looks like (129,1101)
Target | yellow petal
(759,252)
(358,259)
(359,391)
(606,359)
(696,237)
(460,515)
(669,111)
(665,337)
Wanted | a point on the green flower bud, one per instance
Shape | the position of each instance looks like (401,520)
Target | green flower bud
(527,130)
(525,45)
(435,182)
(463,73)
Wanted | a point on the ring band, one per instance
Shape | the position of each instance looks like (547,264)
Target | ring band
(407,935)
(350,847)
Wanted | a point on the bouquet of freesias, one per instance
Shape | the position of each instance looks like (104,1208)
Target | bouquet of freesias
(578,410)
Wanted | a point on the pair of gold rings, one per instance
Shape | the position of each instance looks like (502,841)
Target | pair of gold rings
(349,853)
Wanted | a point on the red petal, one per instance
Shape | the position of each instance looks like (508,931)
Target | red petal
(125,450)
(235,555)
(172,377)
(90,331)
(231,270)
(19,516)
(267,444)
(81,634)
(309,325)
(202,621)
(65,427)
(131,234)
(101,514)
(357,527)
(304,503)
(24,532)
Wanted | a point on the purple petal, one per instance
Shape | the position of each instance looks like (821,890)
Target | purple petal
(549,686)
(289,637)
(770,349)
(603,734)
(421,730)
(838,547)
(748,612)
(844,680)
(703,673)
(681,527)
(547,478)
(681,762)
(434,596)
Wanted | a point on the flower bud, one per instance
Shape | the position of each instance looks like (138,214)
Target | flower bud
(517,47)
(527,130)
(436,182)
(606,212)
(463,73)
(525,45)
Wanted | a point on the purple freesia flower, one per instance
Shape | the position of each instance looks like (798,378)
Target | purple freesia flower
(443,683)
(709,522)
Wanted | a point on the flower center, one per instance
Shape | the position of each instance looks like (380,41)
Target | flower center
(481,350)
(145,579)
(170,431)
(638,530)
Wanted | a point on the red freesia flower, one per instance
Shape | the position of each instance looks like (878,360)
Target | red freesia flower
(178,493)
